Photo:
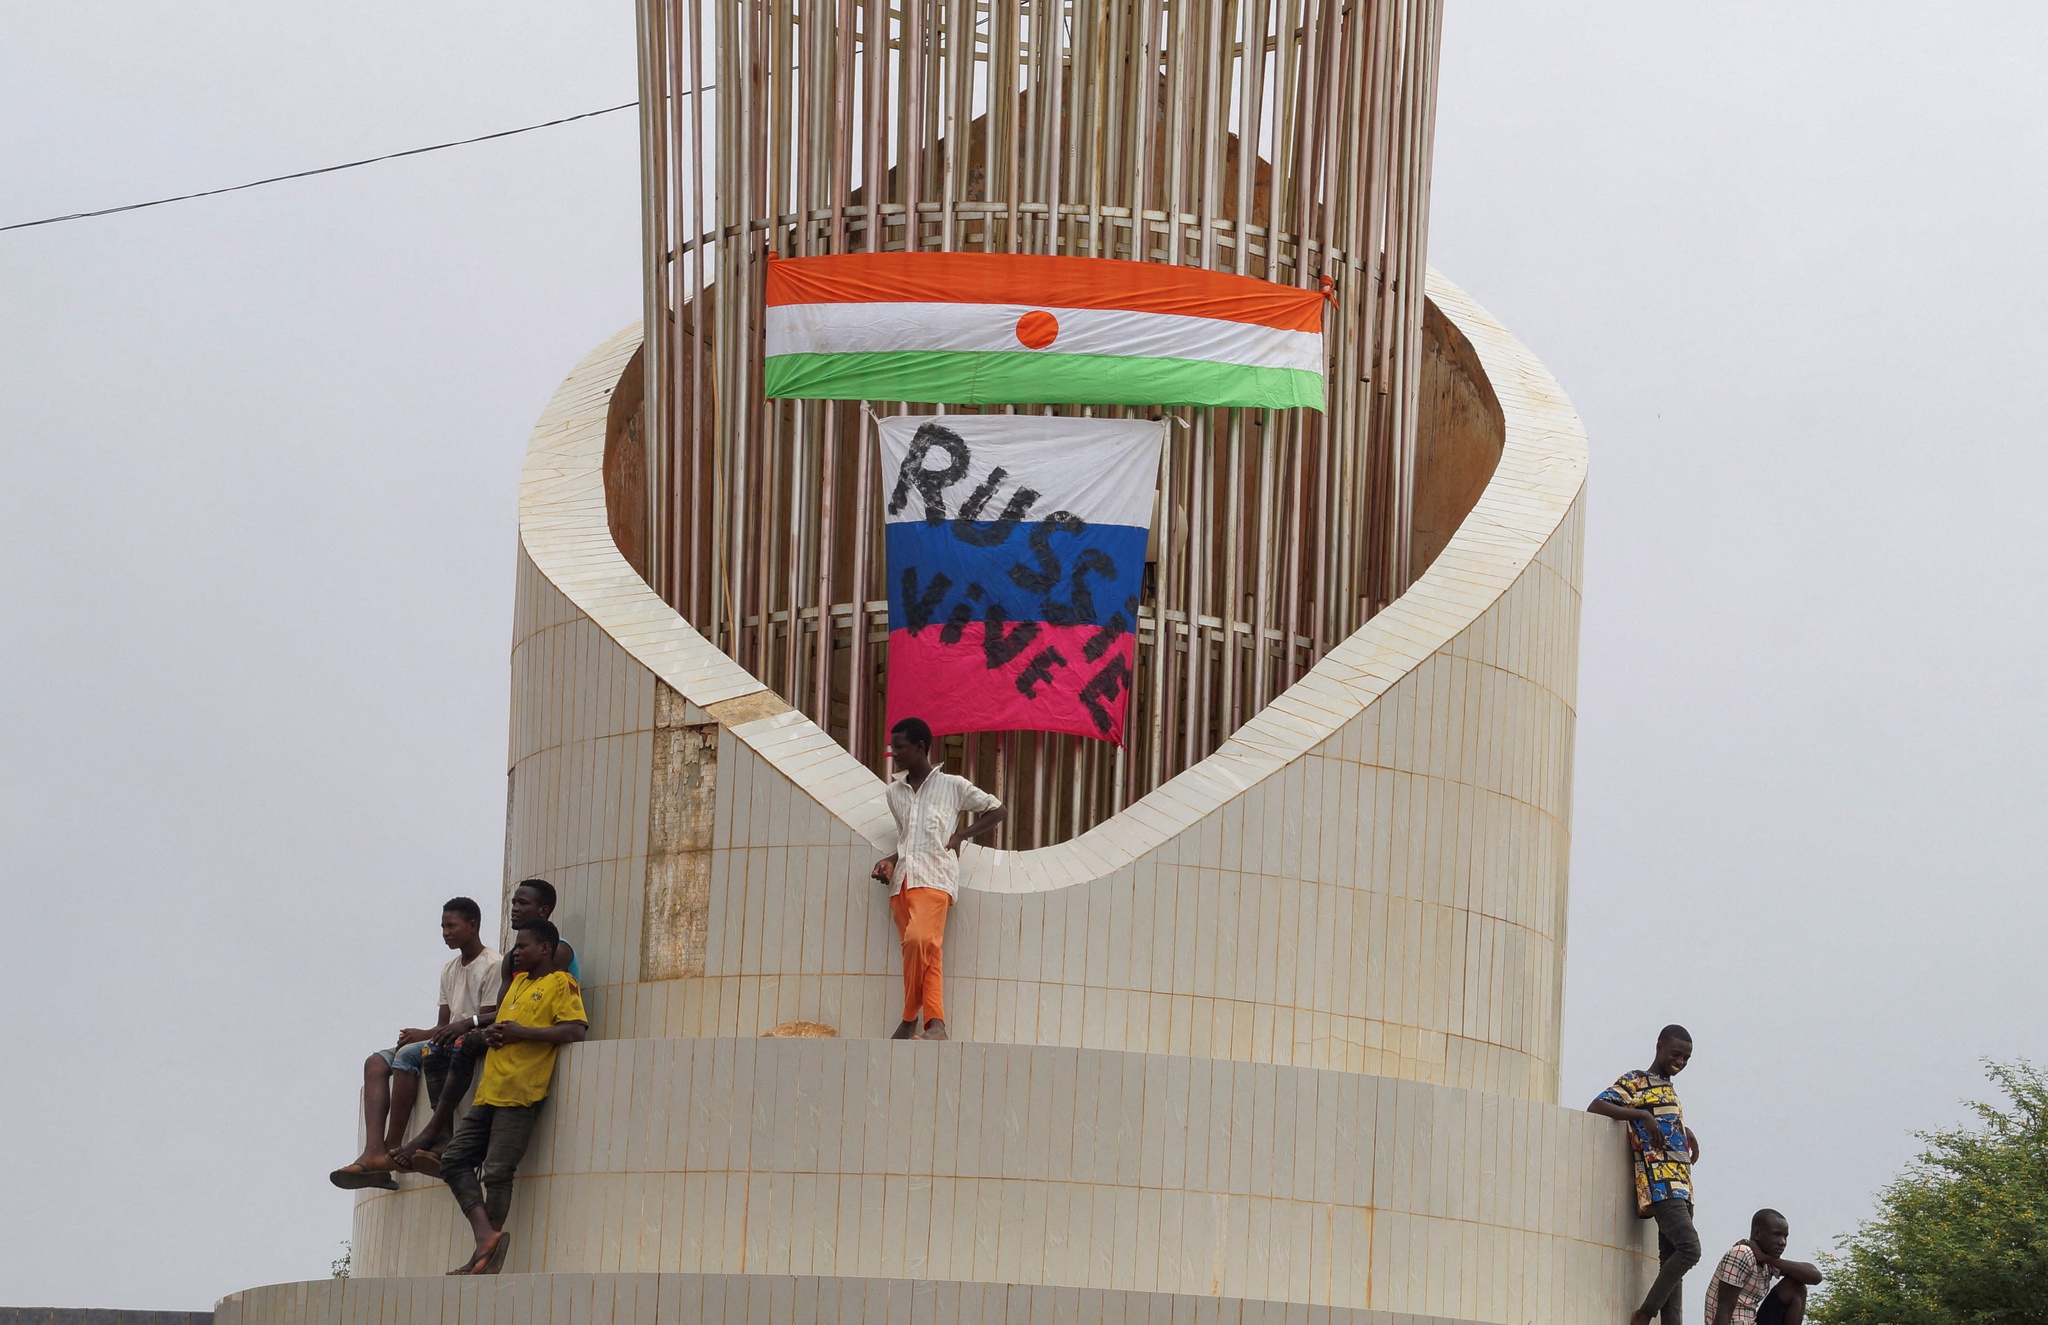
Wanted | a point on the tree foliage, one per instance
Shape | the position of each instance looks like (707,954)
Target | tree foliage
(1961,1237)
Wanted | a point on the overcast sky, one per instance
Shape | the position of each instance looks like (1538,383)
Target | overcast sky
(257,468)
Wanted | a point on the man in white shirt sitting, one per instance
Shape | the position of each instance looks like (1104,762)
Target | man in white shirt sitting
(391,1077)
(924,873)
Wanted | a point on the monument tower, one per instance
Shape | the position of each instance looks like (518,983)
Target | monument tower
(1256,1014)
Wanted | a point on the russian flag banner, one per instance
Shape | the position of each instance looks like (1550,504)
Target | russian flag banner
(1016,556)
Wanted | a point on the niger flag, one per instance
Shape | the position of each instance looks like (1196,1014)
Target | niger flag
(1026,329)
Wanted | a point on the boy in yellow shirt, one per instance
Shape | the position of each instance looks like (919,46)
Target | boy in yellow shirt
(536,1016)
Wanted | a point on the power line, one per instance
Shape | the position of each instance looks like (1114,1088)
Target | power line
(323,170)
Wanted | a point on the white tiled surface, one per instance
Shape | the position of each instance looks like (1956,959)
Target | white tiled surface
(1164,1026)
(1091,1169)
(1370,876)
(691,1299)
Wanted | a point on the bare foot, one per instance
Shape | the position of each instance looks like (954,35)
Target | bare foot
(935,1029)
(907,1031)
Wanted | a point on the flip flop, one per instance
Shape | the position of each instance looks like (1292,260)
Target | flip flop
(497,1258)
(426,1162)
(481,1262)
(354,1177)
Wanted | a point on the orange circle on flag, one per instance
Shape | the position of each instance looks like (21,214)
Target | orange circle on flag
(1038,329)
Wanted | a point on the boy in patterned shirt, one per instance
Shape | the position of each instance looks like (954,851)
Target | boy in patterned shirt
(1664,1150)
(1741,1293)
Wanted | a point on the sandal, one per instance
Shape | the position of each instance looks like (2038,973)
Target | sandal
(475,1264)
(355,1177)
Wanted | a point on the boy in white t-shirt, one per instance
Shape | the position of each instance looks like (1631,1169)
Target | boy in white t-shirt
(923,874)
(391,1077)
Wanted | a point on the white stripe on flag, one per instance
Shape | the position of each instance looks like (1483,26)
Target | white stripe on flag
(879,327)
(1103,470)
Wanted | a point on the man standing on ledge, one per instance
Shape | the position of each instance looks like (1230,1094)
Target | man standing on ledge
(924,874)
(1664,1152)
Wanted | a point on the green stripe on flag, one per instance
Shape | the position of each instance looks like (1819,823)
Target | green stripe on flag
(1034,377)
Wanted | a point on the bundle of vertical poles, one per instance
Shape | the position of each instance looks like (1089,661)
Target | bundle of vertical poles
(1284,139)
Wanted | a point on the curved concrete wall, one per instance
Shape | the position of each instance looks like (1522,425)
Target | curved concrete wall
(1285,1030)
(1013,1164)
(1369,877)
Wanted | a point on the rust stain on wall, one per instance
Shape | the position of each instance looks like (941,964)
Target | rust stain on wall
(679,819)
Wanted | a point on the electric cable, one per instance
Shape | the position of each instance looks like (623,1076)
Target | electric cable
(324,170)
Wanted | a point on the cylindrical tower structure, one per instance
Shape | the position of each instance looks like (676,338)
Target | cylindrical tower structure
(1256,1017)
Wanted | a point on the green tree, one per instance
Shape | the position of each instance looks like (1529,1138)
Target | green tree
(1961,1237)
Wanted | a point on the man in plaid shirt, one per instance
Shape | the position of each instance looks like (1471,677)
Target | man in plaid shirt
(1742,1292)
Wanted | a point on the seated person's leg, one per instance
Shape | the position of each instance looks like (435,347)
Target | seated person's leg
(466,1150)
(1786,1305)
(405,1088)
(460,1070)
(376,1109)
(434,1072)
(510,1136)
(390,1082)
(469,1051)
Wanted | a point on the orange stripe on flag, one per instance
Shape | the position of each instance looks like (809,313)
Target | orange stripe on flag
(1044,281)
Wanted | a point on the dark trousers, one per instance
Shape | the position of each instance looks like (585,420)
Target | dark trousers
(490,1140)
(1678,1250)
(1778,1307)
(451,1068)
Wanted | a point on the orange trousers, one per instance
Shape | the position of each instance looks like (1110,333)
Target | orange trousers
(921,919)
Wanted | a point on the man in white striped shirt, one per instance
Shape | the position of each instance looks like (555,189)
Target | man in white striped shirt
(924,872)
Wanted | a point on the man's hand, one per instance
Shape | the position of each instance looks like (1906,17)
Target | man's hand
(1692,1147)
(953,844)
(413,1034)
(501,1033)
(449,1034)
(884,870)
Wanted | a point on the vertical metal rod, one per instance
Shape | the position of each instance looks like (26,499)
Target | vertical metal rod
(1262,572)
(1297,500)
(653,254)
(1194,741)
(1162,641)
(1036,127)
(1228,709)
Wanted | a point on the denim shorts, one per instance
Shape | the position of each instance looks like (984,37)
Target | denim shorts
(406,1059)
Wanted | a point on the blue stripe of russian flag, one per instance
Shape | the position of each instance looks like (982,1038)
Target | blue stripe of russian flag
(1048,574)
